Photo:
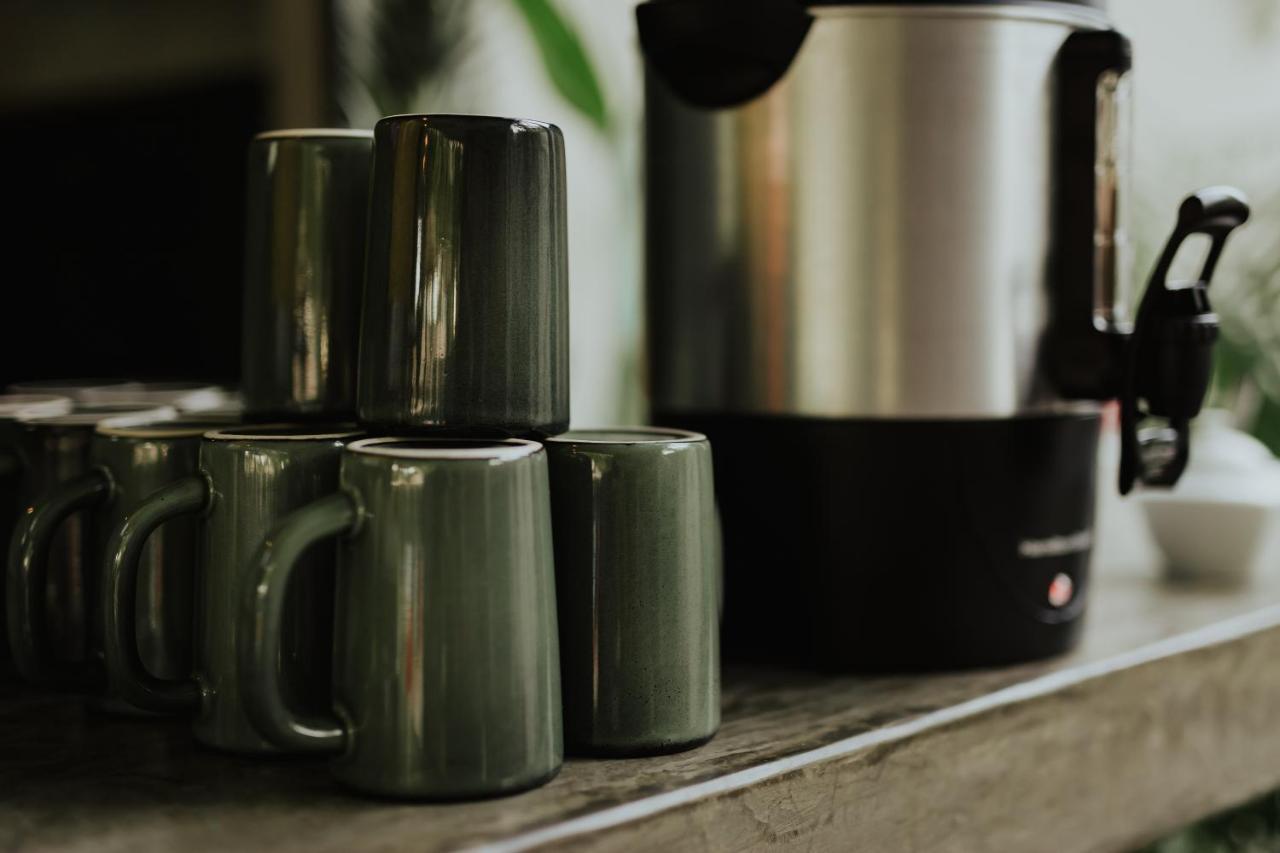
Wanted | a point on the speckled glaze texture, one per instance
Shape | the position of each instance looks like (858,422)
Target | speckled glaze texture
(308,201)
(244,487)
(446,671)
(466,304)
(636,575)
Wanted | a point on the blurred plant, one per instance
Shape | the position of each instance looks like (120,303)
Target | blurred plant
(415,42)
(1251,828)
(564,59)
(1247,362)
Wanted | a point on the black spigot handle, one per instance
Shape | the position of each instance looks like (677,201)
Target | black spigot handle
(1169,359)
(1215,211)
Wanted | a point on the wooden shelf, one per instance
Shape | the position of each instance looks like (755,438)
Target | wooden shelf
(1165,714)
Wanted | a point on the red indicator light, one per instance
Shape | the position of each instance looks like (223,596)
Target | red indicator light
(1061,589)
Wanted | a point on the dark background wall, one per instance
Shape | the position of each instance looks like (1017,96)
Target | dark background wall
(123,242)
(123,129)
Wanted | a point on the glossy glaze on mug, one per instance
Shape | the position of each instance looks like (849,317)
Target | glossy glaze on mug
(254,484)
(56,449)
(446,670)
(636,544)
(139,461)
(13,458)
(249,478)
(465,322)
(308,198)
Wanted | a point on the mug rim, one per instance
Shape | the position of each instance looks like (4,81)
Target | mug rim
(306,432)
(177,428)
(187,395)
(18,406)
(492,449)
(74,387)
(639,435)
(475,119)
(105,414)
(314,133)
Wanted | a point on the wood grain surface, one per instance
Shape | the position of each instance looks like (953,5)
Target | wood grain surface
(1166,713)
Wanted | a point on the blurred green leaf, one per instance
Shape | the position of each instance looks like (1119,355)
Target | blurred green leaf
(565,60)
(1232,362)
(1267,426)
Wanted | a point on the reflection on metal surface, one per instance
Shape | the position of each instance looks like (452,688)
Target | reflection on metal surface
(870,238)
(1112,254)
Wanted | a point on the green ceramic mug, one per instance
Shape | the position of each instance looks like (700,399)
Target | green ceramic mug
(127,463)
(249,478)
(308,204)
(13,466)
(56,583)
(446,671)
(465,321)
(15,408)
(637,562)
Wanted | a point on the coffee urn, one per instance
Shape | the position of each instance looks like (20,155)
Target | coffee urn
(886,276)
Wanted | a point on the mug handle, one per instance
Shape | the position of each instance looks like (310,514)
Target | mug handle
(27,578)
(125,670)
(261,614)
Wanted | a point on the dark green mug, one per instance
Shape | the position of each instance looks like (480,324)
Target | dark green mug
(637,563)
(14,408)
(465,324)
(308,204)
(13,466)
(127,464)
(249,478)
(446,671)
(55,583)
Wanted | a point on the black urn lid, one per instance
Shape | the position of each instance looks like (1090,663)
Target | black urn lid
(718,53)
(1093,4)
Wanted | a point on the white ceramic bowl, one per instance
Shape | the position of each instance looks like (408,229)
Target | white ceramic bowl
(1212,541)
(1221,523)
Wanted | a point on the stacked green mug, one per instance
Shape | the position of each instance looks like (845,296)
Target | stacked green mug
(127,461)
(52,577)
(247,479)
(422,562)
(637,576)
(13,467)
(446,589)
(446,677)
(305,221)
(308,192)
